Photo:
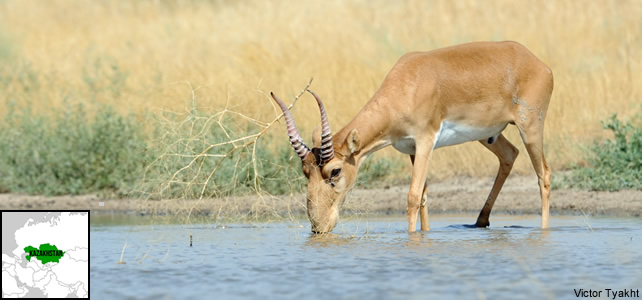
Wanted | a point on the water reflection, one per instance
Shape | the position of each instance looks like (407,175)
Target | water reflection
(325,240)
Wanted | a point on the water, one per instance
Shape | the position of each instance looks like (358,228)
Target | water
(367,258)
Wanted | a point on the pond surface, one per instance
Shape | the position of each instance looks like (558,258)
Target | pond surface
(367,258)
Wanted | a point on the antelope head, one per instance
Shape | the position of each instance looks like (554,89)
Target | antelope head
(331,169)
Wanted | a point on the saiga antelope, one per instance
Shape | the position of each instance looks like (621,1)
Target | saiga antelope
(429,100)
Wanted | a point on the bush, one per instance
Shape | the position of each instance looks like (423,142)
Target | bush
(193,157)
(375,171)
(185,156)
(65,152)
(612,164)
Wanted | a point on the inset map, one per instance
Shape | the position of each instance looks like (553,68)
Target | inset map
(45,254)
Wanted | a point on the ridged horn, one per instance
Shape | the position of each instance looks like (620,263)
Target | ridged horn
(327,151)
(295,138)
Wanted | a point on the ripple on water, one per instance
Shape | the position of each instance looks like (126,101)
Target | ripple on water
(513,258)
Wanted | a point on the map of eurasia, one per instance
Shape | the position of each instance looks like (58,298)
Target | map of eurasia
(45,254)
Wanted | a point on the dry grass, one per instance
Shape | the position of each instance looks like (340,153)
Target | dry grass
(131,54)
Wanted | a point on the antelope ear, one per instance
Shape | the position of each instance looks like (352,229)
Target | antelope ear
(353,141)
(316,137)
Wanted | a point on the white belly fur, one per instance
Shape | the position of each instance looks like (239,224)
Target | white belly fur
(450,133)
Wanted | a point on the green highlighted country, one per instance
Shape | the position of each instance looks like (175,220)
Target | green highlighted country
(46,253)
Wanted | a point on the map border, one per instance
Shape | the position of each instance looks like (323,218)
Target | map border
(88,237)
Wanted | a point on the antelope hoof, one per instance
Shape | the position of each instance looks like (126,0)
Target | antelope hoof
(482,223)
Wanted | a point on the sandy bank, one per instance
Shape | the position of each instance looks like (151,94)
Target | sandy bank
(520,195)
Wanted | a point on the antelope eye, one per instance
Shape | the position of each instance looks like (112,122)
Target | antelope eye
(335,172)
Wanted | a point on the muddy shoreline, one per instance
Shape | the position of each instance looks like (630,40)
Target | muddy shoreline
(520,195)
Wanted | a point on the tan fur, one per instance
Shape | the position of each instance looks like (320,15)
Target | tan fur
(480,85)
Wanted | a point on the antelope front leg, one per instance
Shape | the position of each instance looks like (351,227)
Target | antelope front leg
(416,195)
(423,208)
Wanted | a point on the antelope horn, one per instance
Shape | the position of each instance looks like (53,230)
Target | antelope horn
(295,138)
(327,151)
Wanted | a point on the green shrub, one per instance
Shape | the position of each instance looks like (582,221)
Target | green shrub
(65,152)
(612,164)
(185,155)
(375,171)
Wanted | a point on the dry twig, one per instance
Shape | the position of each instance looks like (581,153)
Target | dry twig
(180,147)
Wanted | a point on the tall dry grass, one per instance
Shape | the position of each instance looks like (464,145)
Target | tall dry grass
(134,54)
